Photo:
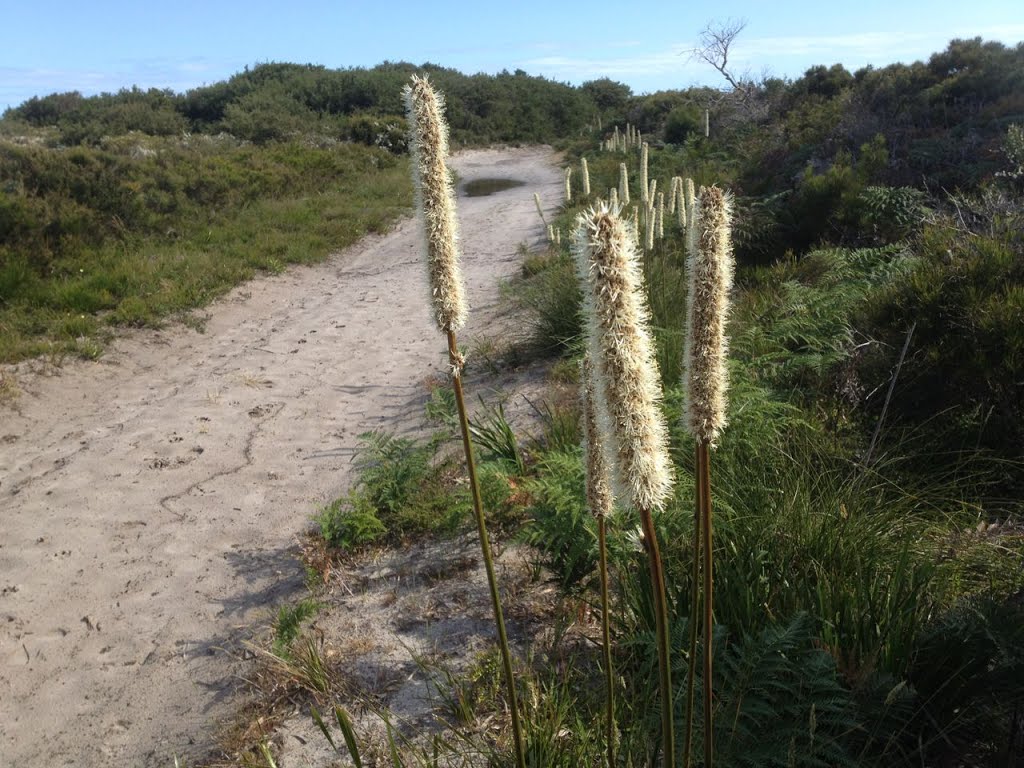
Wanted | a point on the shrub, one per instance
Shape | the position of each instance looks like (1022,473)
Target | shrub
(893,213)
(350,522)
(391,469)
(964,297)
(683,122)
(552,299)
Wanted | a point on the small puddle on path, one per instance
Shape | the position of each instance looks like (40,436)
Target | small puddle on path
(484,187)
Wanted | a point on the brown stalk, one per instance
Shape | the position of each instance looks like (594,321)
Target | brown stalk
(456,360)
(704,507)
(602,547)
(694,597)
(661,629)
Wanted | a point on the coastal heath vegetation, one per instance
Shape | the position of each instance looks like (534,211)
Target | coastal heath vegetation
(868,538)
(867,512)
(131,208)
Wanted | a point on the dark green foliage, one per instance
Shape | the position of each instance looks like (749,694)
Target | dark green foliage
(965,297)
(271,113)
(560,524)
(609,96)
(274,101)
(894,213)
(683,122)
(289,622)
(401,489)
(969,672)
(139,228)
(350,522)
(780,702)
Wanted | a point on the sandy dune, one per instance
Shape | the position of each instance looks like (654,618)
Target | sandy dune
(149,502)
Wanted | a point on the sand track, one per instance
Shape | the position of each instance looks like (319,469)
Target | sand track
(150,501)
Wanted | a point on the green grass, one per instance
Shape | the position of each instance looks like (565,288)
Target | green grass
(289,621)
(135,241)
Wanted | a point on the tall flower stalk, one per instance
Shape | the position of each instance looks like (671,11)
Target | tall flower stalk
(628,393)
(428,146)
(659,221)
(644,190)
(705,382)
(540,210)
(601,503)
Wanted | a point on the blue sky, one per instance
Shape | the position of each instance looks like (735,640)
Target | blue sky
(54,45)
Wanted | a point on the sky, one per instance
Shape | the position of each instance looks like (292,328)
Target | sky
(93,46)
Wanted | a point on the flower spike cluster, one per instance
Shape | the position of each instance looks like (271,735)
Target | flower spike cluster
(710,268)
(428,146)
(627,385)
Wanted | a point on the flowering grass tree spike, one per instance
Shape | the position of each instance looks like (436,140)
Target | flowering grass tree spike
(690,201)
(659,220)
(649,216)
(435,198)
(585,174)
(540,211)
(680,205)
(710,270)
(628,388)
(644,190)
(428,142)
(623,184)
(625,370)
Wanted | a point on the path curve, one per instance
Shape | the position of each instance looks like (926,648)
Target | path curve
(150,501)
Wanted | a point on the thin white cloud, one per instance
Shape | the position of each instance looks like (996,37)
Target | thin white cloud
(860,44)
(891,45)
(672,61)
(787,54)
(17,84)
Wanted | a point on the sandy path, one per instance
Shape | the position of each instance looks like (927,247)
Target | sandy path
(149,502)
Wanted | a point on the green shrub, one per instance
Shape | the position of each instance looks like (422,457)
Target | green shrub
(350,522)
(141,227)
(384,131)
(964,298)
(552,300)
(559,524)
(683,122)
(390,469)
(893,213)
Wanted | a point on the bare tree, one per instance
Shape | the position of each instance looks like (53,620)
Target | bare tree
(713,47)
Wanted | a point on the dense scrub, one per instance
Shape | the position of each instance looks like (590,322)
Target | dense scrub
(869,548)
(137,228)
(123,208)
(869,573)
(277,101)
